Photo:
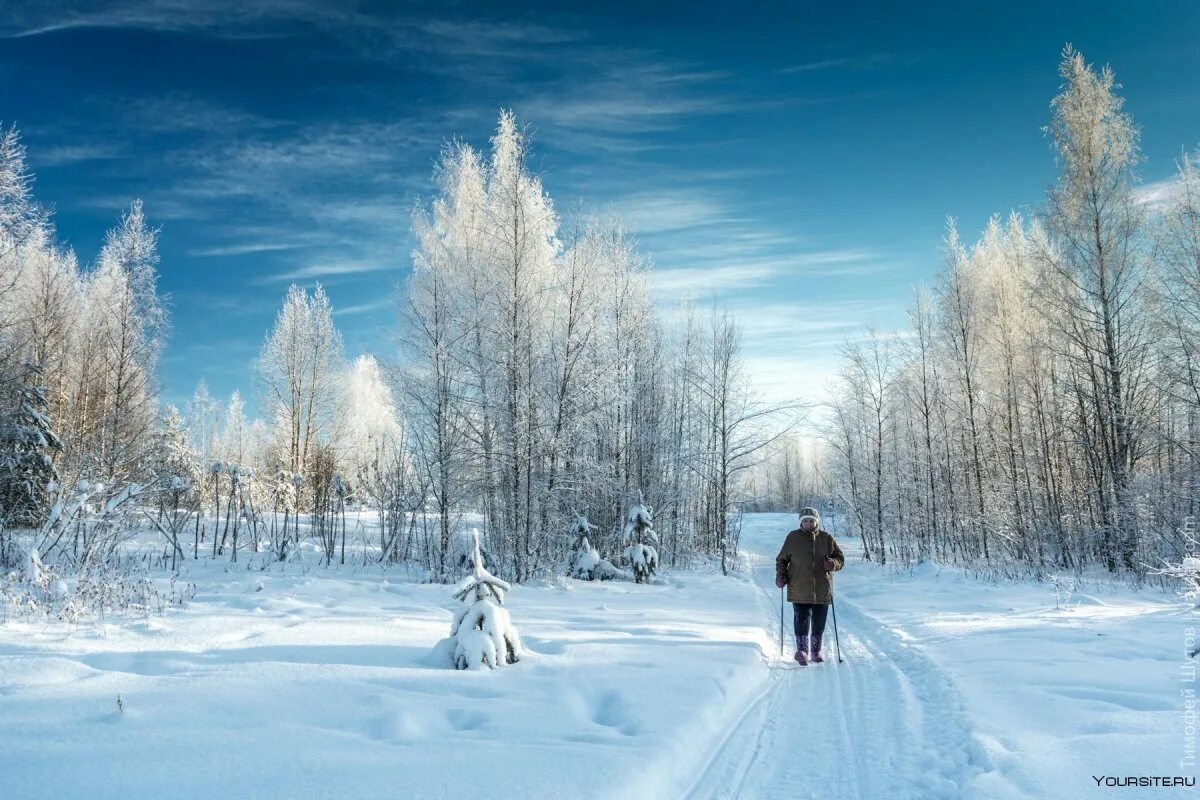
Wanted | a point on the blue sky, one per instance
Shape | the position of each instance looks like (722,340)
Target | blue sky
(797,163)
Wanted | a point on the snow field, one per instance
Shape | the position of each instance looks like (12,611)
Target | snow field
(325,685)
(323,682)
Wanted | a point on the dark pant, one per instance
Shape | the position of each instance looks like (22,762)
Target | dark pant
(803,612)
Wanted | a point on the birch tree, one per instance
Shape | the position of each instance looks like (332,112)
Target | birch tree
(298,369)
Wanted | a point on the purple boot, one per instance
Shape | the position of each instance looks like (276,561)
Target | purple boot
(802,650)
(816,650)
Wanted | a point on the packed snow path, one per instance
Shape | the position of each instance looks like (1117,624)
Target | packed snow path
(885,723)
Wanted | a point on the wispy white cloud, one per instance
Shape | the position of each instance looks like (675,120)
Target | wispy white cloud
(764,270)
(224,18)
(799,317)
(1157,195)
(188,114)
(327,269)
(66,154)
(700,281)
(159,207)
(859,62)
(363,308)
(238,304)
(246,248)
(338,191)
(622,99)
(488,39)
(367,33)
(661,211)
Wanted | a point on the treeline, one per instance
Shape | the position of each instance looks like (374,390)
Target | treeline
(532,381)
(78,351)
(541,382)
(1043,405)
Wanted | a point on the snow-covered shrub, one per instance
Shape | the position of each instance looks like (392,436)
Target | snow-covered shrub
(1064,587)
(639,531)
(585,563)
(1186,571)
(482,632)
(31,590)
(74,568)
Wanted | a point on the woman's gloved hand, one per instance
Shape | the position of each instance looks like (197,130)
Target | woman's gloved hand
(828,564)
(780,582)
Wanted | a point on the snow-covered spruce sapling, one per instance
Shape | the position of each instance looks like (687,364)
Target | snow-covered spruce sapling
(482,632)
(462,555)
(639,532)
(27,442)
(585,563)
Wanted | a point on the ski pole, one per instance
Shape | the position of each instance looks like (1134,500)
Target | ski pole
(781,622)
(836,642)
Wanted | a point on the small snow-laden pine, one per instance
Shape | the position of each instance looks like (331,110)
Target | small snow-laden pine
(585,563)
(27,440)
(482,632)
(464,553)
(639,530)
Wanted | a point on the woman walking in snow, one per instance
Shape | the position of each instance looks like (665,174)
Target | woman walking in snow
(805,565)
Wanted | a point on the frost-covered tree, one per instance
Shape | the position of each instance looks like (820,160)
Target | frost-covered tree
(962,310)
(482,632)
(369,430)
(178,483)
(284,493)
(45,318)
(521,258)
(735,431)
(434,380)
(1095,268)
(234,435)
(125,326)
(203,412)
(20,217)
(639,533)
(298,369)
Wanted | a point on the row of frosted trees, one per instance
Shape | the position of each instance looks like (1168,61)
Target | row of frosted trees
(92,337)
(533,381)
(540,380)
(79,347)
(1043,405)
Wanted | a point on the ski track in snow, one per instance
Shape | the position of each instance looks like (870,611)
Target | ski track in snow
(885,723)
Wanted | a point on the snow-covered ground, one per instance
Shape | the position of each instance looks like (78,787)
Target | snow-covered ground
(321,685)
(957,687)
